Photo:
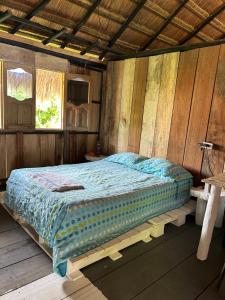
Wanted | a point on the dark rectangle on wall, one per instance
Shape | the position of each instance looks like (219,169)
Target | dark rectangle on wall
(182,105)
(138,99)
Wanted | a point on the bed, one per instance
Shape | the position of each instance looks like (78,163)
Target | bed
(120,192)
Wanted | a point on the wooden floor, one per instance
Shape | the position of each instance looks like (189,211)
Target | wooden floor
(166,268)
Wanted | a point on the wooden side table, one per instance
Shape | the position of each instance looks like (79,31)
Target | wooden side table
(89,157)
(216,183)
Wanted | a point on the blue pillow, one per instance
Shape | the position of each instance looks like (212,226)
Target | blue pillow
(128,159)
(163,168)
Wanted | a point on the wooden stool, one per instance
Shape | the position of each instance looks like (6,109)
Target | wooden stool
(202,194)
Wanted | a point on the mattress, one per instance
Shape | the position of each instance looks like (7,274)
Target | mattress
(115,199)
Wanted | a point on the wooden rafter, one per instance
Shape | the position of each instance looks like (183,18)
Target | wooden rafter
(168,20)
(203,23)
(68,23)
(83,20)
(53,32)
(31,14)
(54,36)
(119,19)
(4,16)
(123,27)
(88,49)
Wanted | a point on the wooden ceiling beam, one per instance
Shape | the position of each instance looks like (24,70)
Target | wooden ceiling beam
(164,25)
(83,20)
(53,32)
(65,22)
(4,16)
(31,14)
(89,48)
(198,11)
(205,22)
(178,48)
(54,36)
(156,9)
(123,27)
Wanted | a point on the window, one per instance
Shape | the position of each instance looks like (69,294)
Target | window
(49,99)
(19,84)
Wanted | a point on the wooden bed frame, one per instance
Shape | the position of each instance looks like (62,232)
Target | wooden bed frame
(152,228)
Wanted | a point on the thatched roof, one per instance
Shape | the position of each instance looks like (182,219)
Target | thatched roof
(111,28)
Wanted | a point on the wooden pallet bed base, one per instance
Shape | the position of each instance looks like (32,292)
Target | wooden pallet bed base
(152,228)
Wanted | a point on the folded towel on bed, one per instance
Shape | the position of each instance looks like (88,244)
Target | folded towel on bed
(55,182)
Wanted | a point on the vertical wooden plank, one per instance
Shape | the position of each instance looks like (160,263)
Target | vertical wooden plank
(92,142)
(140,81)
(3,157)
(182,105)
(81,147)
(165,105)
(94,114)
(19,149)
(66,142)
(126,102)
(72,148)
(103,111)
(11,155)
(59,148)
(32,150)
(114,117)
(47,144)
(151,104)
(200,109)
(106,108)
(216,127)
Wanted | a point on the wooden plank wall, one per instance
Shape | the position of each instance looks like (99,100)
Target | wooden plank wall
(33,148)
(165,105)
(25,149)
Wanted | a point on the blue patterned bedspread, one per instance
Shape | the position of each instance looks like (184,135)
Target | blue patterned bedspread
(115,199)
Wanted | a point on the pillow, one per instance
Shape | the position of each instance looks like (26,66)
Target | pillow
(128,159)
(163,168)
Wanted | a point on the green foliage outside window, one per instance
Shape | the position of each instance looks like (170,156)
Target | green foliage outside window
(48,116)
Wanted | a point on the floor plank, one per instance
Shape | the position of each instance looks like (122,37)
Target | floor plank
(18,252)
(105,266)
(50,287)
(212,293)
(6,222)
(132,278)
(12,236)
(24,272)
(187,280)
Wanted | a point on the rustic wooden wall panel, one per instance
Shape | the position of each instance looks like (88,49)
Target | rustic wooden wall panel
(137,108)
(106,108)
(177,111)
(182,105)
(216,127)
(11,154)
(165,104)
(114,116)
(126,102)
(200,108)
(59,148)
(47,145)
(22,149)
(151,105)
(3,156)
(32,150)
